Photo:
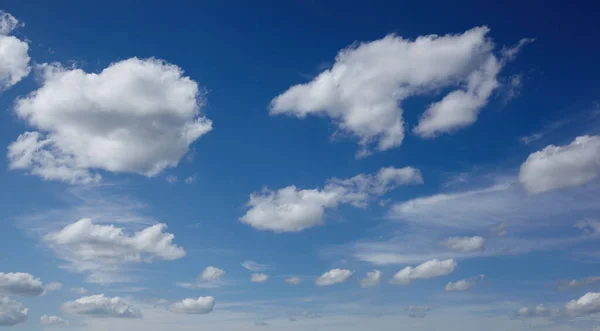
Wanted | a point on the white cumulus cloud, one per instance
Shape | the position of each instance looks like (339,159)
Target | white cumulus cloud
(101,306)
(364,90)
(20,283)
(372,279)
(136,116)
(12,312)
(202,305)
(14,57)
(293,280)
(558,167)
(101,249)
(211,273)
(258,278)
(292,210)
(333,276)
(465,244)
(463,284)
(539,311)
(430,269)
(586,305)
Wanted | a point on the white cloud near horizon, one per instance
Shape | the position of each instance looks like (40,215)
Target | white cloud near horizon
(101,306)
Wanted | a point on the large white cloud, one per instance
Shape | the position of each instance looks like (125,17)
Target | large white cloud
(465,244)
(429,269)
(202,305)
(333,276)
(53,321)
(20,283)
(557,167)
(101,249)
(364,90)
(101,306)
(371,279)
(586,305)
(14,58)
(12,312)
(136,116)
(292,210)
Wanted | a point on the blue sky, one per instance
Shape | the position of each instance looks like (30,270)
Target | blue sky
(299,165)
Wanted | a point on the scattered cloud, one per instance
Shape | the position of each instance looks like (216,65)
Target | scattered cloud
(100,250)
(333,276)
(539,311)
(202,305)
(559,167)
(588,225)
(429,269)
(20,283)
(53,321)
(136,116)
(209,278)
(372,279)
(211,273)
(463,284)
(79,290)
(292,210)
(465,244)
(415,311)
(190,179)
(253,266)
(101,306)
(364,89)
(293,280)
(510,53)
(576,283)
(171,179)
(15,58)
(258,278)
(261,323)
(54,286)
(12,312)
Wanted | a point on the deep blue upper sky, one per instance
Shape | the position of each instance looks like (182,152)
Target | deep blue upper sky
(243,54)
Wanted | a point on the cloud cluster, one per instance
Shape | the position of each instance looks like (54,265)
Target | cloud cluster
(364,90)
(12,312)
(53,321)
(586,305)
(19,283)
(136,116)
(101,306)
(202,305)
(559,167)
(428,269)
(100,249)
(259,278)
(14,57)
(292,210)
(333,276)
(575,283)
(539,311)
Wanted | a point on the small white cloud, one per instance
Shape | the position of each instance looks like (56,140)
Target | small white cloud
(258,278)
(465,244)
(559,167)
(171,179)
(293,280)
(202,305)
(292,210)
(54,286)
(333,276)
(415,311)
(20,283)
(463,284)
(14,64)
(101,306)
(372,279)
(136,116)
(588,225)
(101,249)
(429,269)
(539,311)
(53,321)
(253,266)
(586,305)
(12,312)
(510,53)
(190,179)
(211,273)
